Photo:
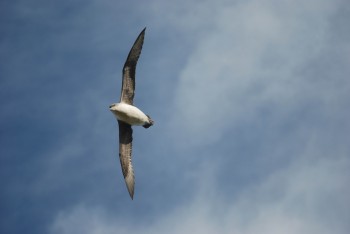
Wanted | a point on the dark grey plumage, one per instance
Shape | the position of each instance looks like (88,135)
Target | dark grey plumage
(128,86)
(127,96)
(125,150)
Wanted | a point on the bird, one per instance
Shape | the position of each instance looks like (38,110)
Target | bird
(129,115)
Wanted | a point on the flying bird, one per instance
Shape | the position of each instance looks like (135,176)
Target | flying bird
(128,115)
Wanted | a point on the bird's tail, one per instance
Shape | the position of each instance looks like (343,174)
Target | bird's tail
(149,124)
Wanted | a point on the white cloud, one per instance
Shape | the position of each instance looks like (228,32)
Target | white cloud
(253,56)
(300,199)
(85,220)
(251,59)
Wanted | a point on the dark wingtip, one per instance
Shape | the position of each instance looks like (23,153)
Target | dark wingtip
(131,192)
(143,31)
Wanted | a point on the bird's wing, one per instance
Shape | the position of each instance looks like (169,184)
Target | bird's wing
(128,86)
(125,149)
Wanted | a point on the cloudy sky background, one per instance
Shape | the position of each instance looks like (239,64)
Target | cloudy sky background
(251,102)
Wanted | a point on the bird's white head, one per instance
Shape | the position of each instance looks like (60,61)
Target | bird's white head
(112,107)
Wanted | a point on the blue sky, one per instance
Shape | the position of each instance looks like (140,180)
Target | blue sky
(251,107)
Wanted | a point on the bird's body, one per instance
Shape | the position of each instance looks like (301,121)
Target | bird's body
(128,115)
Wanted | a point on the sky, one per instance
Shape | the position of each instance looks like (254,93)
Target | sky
(251,107)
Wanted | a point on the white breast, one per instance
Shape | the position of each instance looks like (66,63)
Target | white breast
(129,114)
